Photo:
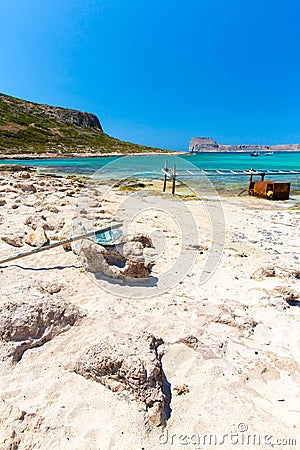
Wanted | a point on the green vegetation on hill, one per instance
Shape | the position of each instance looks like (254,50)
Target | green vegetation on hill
(27,127)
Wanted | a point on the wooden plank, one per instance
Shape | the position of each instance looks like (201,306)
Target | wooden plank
(57,244)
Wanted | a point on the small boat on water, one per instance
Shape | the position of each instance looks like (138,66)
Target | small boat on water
(269,153)
(255,154)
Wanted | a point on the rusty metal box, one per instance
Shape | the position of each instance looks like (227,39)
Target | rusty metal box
(272,190)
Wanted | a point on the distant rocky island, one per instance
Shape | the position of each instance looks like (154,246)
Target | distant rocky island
(204,144)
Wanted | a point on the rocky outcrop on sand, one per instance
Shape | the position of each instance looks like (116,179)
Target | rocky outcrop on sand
(263,272)
(128,363)
(14,237)
(37,237)
(93,259)
(271,271)
(22,430)
(143,239)
(29,323)
(289,295)
(47,287)
(27,187)
(234,315)
(281,297)
(208,346)
(135,260)
(125,260)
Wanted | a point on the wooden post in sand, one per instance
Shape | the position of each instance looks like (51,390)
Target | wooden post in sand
(165,176)
(173,179)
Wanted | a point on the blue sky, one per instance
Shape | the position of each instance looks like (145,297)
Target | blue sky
(159,72)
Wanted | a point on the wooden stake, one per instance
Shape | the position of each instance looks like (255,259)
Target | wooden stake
(165,183)
(173,179)
(165,176)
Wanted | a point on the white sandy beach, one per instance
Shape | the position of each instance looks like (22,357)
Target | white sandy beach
(231,346)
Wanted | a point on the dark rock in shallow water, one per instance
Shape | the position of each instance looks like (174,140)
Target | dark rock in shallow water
(15,168)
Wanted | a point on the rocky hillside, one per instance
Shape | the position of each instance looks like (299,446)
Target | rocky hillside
(203,144)
(27,127)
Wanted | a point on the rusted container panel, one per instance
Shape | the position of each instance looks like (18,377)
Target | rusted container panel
(272,190)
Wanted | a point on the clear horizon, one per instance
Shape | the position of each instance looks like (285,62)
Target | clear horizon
(161,73)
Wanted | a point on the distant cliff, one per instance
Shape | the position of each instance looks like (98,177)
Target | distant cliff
(201,144)
(27,127)
(62,115)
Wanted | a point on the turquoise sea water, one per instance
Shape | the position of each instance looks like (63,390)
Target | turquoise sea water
(151,166)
